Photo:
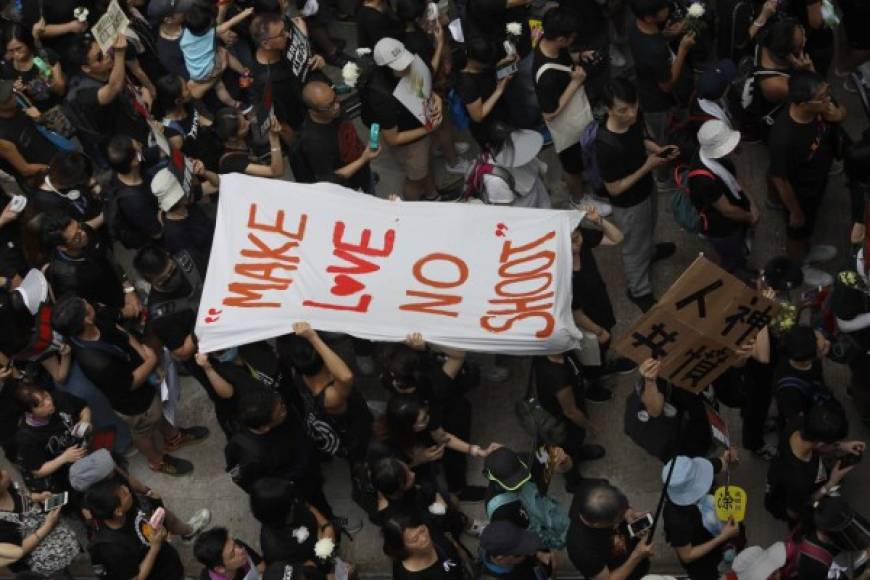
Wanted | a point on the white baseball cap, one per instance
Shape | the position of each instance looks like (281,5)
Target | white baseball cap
(392,53)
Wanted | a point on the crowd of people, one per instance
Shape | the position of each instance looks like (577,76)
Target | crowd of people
(113,140)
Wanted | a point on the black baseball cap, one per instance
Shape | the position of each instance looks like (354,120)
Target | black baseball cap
(714,81)
(505,467)
(503,538)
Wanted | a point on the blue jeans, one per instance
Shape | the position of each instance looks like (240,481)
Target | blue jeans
(102,415)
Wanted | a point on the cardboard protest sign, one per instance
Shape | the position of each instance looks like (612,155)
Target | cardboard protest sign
(698,325)
(475,277)
(106,30)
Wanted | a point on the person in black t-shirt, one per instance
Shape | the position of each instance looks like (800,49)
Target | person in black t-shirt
(802,146)
(799,475)
(124,370)
(833,522)
(234,129)
(44,91)
(403,131)
(61,26)
(291,527)
(726,210)
(71,189)
(126,545)
(661,76)
(626,157)
(329,146)
(100,96)
(798,379)
(82,265)
(559,82)
(186,128)
(225,557)
(137,207)
(480,91)
(186,227)
(560,389)
(509,552)
(277,81)
(599,545)
(50,436)
(418,551)
(698,537)
(272,443)
(590,303)
(24,152)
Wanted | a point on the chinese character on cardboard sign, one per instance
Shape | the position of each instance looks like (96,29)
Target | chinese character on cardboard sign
(751,318)
(699,362)
(655,340)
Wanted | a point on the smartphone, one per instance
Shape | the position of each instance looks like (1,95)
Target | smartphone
(374,136)
(639,525)
(851,459)
(157,517)
(506,70)
(56,501)
(17,203)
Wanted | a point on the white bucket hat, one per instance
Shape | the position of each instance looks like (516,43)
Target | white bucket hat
(756,563)
(717,139)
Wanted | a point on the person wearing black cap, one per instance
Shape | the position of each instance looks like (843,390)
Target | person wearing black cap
(798,476)
(510,552)
(599,545)
(833,532)
(711,92)
(514,497)
(798,380)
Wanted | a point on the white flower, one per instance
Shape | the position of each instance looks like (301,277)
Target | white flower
(323,548)
(350,74)
(696,10)
(301,534)
(437,508)
(514,28)
(362,51)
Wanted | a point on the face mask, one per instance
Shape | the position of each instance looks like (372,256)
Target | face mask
(72,194)
(229,355)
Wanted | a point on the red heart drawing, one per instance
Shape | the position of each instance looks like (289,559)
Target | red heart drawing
(345,286)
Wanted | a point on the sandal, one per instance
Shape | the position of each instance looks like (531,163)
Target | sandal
(172,466)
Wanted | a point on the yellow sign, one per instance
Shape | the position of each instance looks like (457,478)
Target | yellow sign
(730,503)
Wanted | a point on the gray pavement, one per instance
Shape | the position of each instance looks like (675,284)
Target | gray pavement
(625,465)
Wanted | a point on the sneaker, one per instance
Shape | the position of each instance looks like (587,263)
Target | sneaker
(365,365)
(172,466)
(816,278)
(472,494)
(198,522)
(619,366)
(590,452)
(476,528)
(186,436)
(461,167)
(349,525)
(644,302)
(596,393)
(604,209)
(496,374)
(766,452)
(617,59)
(663,251)
(820,253)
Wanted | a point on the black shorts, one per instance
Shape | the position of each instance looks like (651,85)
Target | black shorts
(572,159)
(809,204)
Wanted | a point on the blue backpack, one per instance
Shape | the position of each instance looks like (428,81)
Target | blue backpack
(588,141)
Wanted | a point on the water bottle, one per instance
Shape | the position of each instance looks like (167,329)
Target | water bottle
(44,67)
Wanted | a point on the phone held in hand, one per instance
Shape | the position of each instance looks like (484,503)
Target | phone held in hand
(506,70)
(374,136)
(642,523)
(666,152)
(56,501)
(850,459)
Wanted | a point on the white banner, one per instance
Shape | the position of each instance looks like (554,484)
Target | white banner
(475,277)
